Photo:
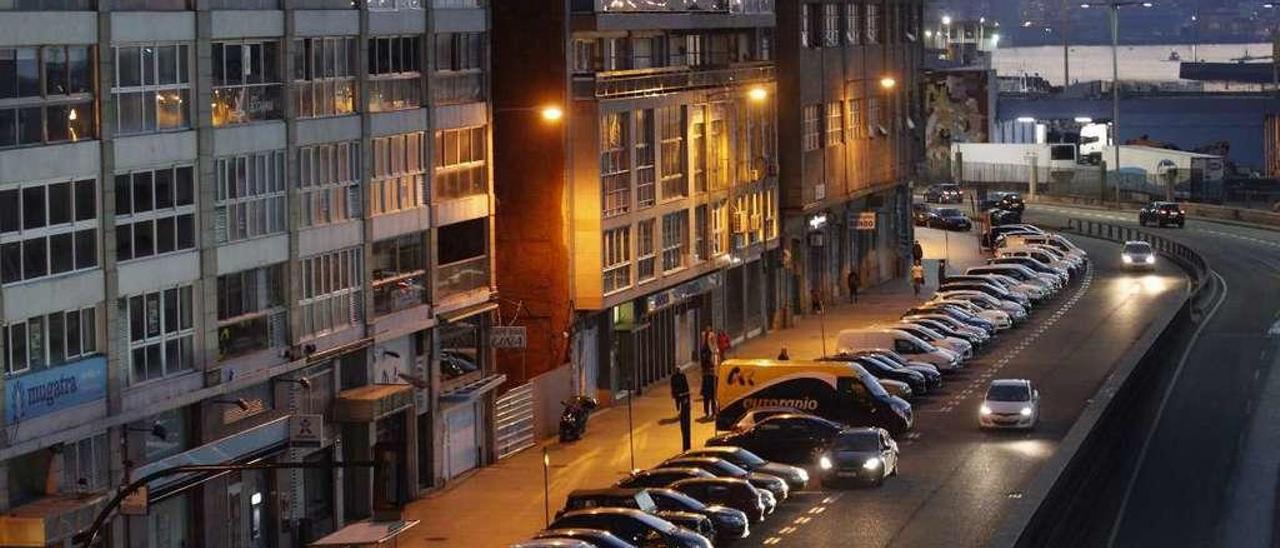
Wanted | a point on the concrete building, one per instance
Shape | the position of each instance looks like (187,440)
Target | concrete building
(850,124)
(649,210)
(238,231)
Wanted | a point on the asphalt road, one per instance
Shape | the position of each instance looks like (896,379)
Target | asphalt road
(956,481)
(1209,474)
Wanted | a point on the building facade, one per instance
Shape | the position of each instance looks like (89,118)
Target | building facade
(649,211)
(849,122)
(241,231)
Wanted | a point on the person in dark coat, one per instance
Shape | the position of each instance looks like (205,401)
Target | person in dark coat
(854,281)
(680,393)
(815,300)
(942,272)
(707,364)
(917,252)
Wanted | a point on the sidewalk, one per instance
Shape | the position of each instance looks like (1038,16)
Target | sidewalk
(503,503)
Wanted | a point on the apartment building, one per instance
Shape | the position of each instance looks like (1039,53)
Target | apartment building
(649,209)
(850,124)
(239,232)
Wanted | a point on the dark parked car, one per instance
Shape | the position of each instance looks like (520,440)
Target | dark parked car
(861,454)
(661,477)
(1004,201)
(796,476)
(920,214)
(946,193)
(1000,217)
(597,537)
(725,469)
(734,493)
(791,438)
(950,218)
(1161,214)
(639,499)
(633,526)
(917,381)
(729,523)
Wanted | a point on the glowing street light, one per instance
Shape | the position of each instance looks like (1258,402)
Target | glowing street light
(551,113)
(888,82)
(946,19)
(758,94)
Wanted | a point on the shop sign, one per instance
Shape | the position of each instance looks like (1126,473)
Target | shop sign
(306,430)
(508,337)
(680,293)
(55,389)
(867,220)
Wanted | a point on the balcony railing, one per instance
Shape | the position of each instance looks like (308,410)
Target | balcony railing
(399,293)
(628,83)
(674,6)
(462,277)
(450,88)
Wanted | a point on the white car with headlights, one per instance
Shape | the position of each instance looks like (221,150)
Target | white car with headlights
(1015,311)
(1010,403)
(1138,255)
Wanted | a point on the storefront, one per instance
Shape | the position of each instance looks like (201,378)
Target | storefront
(379,424)
(650,336)
(466,390)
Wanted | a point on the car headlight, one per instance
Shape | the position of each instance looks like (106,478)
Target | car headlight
(1026,411)
(802,475)
(984,410)
(1151,259)
(824,463)
(871,464)
(1127,259)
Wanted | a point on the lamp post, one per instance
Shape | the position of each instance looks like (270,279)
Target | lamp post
(1115,79)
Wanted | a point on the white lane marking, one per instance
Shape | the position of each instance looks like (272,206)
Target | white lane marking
(772,540)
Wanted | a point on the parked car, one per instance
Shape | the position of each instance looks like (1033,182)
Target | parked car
(553,542)
(956,345)
(1060,274)
(633,526)
(945,193)
(795,476)
(955,312)
(852,340)
(660,477)
(1020,273)
(981,300)
(734,493)
(932,375)
(595,537)
(1004,201)
(920,214)
(1138,255)
(639,499)
(1161,214)
(725,469)
(998,318)
(730,523)
(918,383)
(1010,403)
(791,438)
(951,327)
(866,455)
(1000,217)
(950,218)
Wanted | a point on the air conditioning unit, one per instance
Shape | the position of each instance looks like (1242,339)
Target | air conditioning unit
(740,222)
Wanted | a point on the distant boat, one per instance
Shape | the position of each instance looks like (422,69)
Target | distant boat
(1174,56)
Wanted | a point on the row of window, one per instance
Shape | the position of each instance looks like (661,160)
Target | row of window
(331,291)
(47,229)
(610,53)
(49,340)
(161,333)
(839,121)
(832,24)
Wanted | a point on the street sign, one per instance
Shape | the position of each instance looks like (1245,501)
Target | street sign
(135,503)
(867,220)
(508,337)
(306,430)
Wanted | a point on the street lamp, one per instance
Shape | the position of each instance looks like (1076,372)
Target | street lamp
(1115,79)
(551,113)
(758,94)
(888,82)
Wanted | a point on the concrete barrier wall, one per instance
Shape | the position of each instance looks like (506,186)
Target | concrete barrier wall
(549,389)
(1197,211)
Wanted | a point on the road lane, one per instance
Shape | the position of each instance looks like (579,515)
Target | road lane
(1209,476)
(957,481)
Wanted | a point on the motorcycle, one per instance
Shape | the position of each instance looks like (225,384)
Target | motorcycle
(573,421)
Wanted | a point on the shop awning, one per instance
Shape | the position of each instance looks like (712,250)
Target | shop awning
(49,520)
(366,533)
(372,402)
(255,442)
(464,313)
(472,390)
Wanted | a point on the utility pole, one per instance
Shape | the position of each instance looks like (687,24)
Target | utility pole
(1115,94)
(1066,45)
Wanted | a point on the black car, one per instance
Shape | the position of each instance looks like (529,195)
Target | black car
(725,469)
(792,438)
(597,537)
(945,193)
(866,455)
(950,218)
(661,477)
(919,383)
(633,526)
(920,214)
(1005,201)
(729,523)
(1162,214)
(1001,217)
(796,476)
(639,499)
(734,493)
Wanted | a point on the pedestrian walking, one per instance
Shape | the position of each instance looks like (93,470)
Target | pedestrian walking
(708,393)
(815,301)
(917,252)
(784,356)
(680,393)
(917,277)
(854,281)
(942,272)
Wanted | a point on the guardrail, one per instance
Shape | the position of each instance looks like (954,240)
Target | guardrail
(1075,497)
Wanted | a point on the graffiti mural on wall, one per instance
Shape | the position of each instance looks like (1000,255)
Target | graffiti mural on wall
(959,109)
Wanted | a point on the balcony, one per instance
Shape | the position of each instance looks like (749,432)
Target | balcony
(643,82)
(451,88)
(399,293)
(462,277)
(673,6)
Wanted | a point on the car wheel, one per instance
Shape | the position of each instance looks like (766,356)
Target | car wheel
(1182,224)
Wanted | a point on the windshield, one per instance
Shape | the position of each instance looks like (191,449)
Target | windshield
(1137,248)
(744,458)
(859,441)
(1008,392)
(950,212)
(684,500)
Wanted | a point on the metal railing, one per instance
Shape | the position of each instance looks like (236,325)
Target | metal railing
(674,6)
(513,422)
(1188,259)
(462,277)
(664,80)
